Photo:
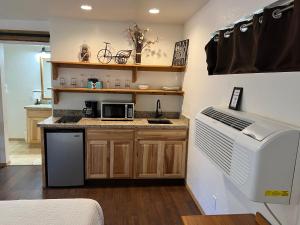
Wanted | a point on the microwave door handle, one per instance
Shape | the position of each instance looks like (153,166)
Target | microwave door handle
(126,111)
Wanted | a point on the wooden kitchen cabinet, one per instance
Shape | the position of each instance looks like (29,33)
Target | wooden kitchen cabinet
(121,158)
(109,153)
(149,158)
(33,132)
(96,159)
(174,158)
(160,154)
(140,154)
(33,118)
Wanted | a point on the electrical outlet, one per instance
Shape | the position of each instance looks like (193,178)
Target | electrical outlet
(214,202)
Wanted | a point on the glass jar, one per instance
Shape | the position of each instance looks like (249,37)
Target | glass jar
(107,82)
(62,82)
(127,84)
(117,83)
(73,82)
(82,81)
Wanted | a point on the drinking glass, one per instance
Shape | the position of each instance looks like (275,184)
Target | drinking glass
(117,83)
(127,84)
(73,82)
(62,82)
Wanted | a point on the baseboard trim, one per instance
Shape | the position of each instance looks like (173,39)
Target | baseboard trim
(2,165)
(194,199)
(16,139)
(134,183)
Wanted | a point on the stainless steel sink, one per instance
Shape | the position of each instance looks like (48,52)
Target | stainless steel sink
(159,121)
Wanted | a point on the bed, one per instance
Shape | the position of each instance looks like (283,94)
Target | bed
(51,212)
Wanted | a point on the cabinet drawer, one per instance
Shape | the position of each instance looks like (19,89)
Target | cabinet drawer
(39,113)
(117,134)
(161,134)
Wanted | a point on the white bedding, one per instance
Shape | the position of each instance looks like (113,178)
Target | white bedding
(51,212)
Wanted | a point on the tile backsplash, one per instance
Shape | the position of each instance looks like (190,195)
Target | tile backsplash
(138,114)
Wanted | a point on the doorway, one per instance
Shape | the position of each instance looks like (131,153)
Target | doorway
(26,95)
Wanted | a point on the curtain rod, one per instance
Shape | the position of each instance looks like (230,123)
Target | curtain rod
(276,15)
(280,3)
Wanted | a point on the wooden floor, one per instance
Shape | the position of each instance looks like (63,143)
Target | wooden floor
(21,153)
(156,205)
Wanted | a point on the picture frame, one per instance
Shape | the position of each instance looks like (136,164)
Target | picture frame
(180,55)
(236,98)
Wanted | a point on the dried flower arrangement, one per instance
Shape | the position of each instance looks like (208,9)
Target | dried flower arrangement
(139,40)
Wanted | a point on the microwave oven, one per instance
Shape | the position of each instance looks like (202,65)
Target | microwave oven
(117,111)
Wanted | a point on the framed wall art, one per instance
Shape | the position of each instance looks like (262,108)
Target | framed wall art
(236,98)
(180,53)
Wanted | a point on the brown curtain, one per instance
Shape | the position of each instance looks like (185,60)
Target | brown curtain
(268,45)
(292,51)
(244,54)
(224,52)
(273,41)
(211,52)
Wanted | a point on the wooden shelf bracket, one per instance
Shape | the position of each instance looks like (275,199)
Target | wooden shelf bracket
(54,71)
(134,74)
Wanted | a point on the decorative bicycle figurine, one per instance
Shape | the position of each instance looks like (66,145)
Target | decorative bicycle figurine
(105,56)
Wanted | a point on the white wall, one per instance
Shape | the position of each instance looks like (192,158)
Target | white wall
(274,95)
(3,111)
(68,35)
(35,25)
(22,75)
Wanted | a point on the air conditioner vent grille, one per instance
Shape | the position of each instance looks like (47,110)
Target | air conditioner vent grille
(217,146)
(234,122)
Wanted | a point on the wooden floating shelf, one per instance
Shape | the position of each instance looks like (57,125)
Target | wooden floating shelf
(134,68)
(133,92)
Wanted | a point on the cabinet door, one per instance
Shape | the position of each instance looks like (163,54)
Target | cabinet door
(34,132)
(174,159)
(148,164)
(96,159)
(121,159)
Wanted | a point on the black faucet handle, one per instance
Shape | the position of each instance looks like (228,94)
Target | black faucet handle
(159,112)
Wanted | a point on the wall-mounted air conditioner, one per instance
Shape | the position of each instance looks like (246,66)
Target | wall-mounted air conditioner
(257,154)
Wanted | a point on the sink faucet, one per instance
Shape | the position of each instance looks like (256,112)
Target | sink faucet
(158,112)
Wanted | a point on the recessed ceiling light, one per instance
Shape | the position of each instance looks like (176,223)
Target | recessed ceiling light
(154,11)
(86,7)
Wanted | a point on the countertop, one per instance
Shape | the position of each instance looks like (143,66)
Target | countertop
(98,123)
(39,107)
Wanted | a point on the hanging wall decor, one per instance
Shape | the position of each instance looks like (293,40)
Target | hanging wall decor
(138,37)
(236,98)
(267,41)
(180,53)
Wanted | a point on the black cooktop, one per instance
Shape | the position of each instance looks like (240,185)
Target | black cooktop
(69,119)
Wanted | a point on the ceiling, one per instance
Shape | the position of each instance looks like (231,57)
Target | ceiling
(171,11)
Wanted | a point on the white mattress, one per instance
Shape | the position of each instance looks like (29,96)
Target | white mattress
(51,212)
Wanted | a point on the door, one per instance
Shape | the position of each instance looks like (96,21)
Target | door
(174,159)
(148,159)
(121,159)
(96,159)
